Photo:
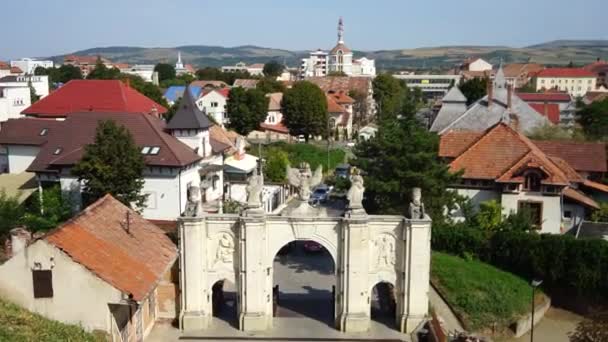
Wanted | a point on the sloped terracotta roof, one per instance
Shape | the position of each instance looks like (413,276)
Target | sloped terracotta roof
(340,47)
(582,156)
(453,143)
(117,245)
(535,159)
(565,72)
(279,128)
(78,130)
(16,70)
(27,131)
(222,140)
(342,84)
(596,186)
(333,106)
(548,110)
(517,69)
(84,59)
(545,97)
(93,96)
(342,98)
(578,196)
(274,101)
(4,66)
(245,83)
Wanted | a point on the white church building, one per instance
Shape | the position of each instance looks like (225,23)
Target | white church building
(338,60)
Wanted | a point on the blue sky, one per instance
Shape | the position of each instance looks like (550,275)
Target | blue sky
(49,27)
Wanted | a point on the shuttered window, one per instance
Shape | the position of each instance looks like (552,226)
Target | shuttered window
(43,283)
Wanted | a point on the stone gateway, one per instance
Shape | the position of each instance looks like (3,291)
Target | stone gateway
(366,250)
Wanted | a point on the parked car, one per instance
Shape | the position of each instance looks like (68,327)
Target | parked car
(312,247)
(301,138)
(319,195)
(342,170)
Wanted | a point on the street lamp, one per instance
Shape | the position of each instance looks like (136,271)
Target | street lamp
(535,283)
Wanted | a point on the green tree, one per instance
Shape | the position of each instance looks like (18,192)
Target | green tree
(215,74)
(276,165)
(10,212)
(594,120)
(489,215)
(304,108)
(165,71)
(102,72)
(388,94)
(33,96)
(337,74)
(401,156)
(48,213)
(474,89)
(172,110)
(360,108)
(246,109)
(268,85)
(146,88)
(556,132)
(273,69)
(112,165)
(600,215)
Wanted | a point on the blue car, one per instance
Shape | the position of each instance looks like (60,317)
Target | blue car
(319,195)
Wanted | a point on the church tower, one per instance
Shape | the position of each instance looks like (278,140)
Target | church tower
(341,57)
(179,65)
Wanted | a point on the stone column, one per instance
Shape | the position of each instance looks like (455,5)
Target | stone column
(253,293)
(354,266)
(416,275)
(195,309)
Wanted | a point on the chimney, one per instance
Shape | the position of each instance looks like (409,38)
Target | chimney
(154,112)
(514,121)
(20,238)
(490,92)
(509,96)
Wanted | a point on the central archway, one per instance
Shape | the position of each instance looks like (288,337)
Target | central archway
(304,282)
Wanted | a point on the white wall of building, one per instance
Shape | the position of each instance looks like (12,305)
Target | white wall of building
(551,208)
(214,104)
(197,140)
(573,215)
(145,71)
(20,157)
(575,86)
(28,65)
(480,65)
(13,100)
(39,83)
(167,190)
(79,297)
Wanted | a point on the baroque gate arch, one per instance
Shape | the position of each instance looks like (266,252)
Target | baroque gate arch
(365,248)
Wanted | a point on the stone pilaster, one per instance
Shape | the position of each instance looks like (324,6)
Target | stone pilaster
(195,309)
(417,261)
(253,292)
(355,306)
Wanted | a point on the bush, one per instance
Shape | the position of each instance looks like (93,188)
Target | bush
(298,153)
(276,165)
(10,212)
(577,266)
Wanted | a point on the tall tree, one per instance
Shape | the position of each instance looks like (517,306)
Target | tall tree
(273,69)
(165,71)
(10,212)
(112,165)
(594,119)
(474,89)
(388,94)
(215,74)
(246,109)
(102,72)
(360,108)
(33,96)
(304,108)
(401,156)
(269,85)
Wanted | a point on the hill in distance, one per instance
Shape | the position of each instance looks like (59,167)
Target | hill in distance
(559,52)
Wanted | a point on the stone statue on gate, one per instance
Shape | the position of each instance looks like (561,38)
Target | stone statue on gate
(416,206)
(194,207)
(355,193)
(304,179)
(254,190)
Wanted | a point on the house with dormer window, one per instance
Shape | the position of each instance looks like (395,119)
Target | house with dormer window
(502,164)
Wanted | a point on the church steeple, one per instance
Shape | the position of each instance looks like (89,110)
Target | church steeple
(340,31)
(179,64)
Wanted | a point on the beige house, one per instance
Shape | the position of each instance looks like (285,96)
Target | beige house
(107,269)
(576,81)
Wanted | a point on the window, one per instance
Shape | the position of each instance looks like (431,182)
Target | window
(567,214)
(44,132)
(532,181)
(214,105)
(214,182)
(534,210)
(57,150)
(154,151)
(145,150)
(43,283)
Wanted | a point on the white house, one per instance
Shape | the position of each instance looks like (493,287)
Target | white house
(145,71)
(13,100)
(476,64)
(256,69)
(40,83)
(213,103)
(29,65)
(576,81)
(70,274)
(502,164)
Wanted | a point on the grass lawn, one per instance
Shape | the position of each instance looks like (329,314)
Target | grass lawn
(298,153)
(18,324)
(481,295)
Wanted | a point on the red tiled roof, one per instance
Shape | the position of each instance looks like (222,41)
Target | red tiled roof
(453,143)
(78,130)
(132,261)
(596,186)
(342,98)
(333,106)
(16,70)
(580,197)
(280,128)
(545,97)
(582,156)
(93,95)
(222,140)
(501,153)
(84,59)
(27,131)
(343,84)
(549,110)
(4,66)
(565,72)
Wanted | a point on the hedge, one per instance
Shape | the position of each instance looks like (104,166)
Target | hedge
(578,266)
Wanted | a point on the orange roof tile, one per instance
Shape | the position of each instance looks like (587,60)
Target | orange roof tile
(580,197)
(132,261)
(333,106)
(582,156)
(595,185)
(453,143)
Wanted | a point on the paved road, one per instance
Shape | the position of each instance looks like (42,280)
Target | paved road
(554,327)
